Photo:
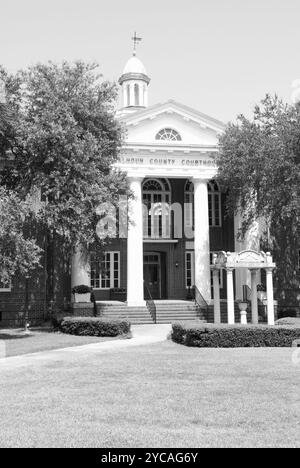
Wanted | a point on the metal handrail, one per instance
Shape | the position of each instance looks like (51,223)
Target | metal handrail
(199,300)
(150,304)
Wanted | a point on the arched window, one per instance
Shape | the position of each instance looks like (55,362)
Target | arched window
(168,134)
(156,203)
(128,94)
(214,204)
(189,204)
(136,95)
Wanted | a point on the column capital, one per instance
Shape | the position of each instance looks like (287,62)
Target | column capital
(198,179)
(229,269)
(135,177)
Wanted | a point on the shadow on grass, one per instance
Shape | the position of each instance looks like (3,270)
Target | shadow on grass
(9,336)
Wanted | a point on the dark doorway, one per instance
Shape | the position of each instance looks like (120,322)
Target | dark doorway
(153,275)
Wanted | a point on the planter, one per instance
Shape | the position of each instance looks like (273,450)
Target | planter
(82,297)
(243,308)
(261,295)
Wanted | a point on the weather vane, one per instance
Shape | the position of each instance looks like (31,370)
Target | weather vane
(136,40)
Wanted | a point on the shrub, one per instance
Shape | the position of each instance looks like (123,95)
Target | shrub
(234,336)
(287,313)
(289,321)
(94,326)
(82,289)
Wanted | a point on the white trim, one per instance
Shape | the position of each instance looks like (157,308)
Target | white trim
(160,241)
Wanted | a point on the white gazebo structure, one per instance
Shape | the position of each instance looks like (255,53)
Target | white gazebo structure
(253,261)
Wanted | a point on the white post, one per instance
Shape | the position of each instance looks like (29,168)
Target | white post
(135,274)
(80,273)
(230,296)
(270,297)
(202,260)
(254,303)
(216,283)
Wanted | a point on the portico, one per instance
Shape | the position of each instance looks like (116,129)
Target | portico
(136,240)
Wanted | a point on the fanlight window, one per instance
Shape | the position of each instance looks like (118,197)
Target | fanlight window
(156,205)
(168,134)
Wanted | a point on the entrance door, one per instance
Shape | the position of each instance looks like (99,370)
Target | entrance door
(152,275)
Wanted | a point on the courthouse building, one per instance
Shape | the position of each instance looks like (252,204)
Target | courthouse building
(177,218)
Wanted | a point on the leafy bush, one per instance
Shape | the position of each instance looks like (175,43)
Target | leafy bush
(94,326)
(234,336)
(289,321)
(287,313)
(82,289)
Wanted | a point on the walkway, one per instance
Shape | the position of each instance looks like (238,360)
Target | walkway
(141,335)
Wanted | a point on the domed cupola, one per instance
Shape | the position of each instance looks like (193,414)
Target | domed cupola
(134,82)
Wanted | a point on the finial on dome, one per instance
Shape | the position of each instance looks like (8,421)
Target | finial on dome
(136,40)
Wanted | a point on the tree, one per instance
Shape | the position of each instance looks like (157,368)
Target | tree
(19,252)
(65,141)
(259,163)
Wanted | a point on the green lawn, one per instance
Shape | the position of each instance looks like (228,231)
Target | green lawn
(17,343)
(162,395)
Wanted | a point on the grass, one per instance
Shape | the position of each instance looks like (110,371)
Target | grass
(17,343)
(161,395)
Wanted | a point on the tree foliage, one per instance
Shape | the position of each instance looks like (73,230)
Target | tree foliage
(19,252)
(259,163)
(64,140)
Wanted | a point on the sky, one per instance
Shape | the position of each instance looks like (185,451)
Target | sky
(218,56)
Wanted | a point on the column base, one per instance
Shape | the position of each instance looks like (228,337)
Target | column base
(136,303)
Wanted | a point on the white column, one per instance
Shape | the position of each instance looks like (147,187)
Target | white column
(202,261)
(270,297)
(254,303)
(217,308)
(80,272)
(135,274)
(230,296)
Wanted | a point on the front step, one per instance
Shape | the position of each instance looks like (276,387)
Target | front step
(174,311)
(119,310)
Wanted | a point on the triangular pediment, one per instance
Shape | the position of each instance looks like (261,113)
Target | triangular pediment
(168,108)
(194,127)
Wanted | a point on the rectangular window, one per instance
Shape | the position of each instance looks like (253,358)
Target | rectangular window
(5,287)
(214,209)
(189,269)
(189,209)
(105,274)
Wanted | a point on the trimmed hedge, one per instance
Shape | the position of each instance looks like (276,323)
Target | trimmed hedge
(289,321)
(234,336)
(94,326)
